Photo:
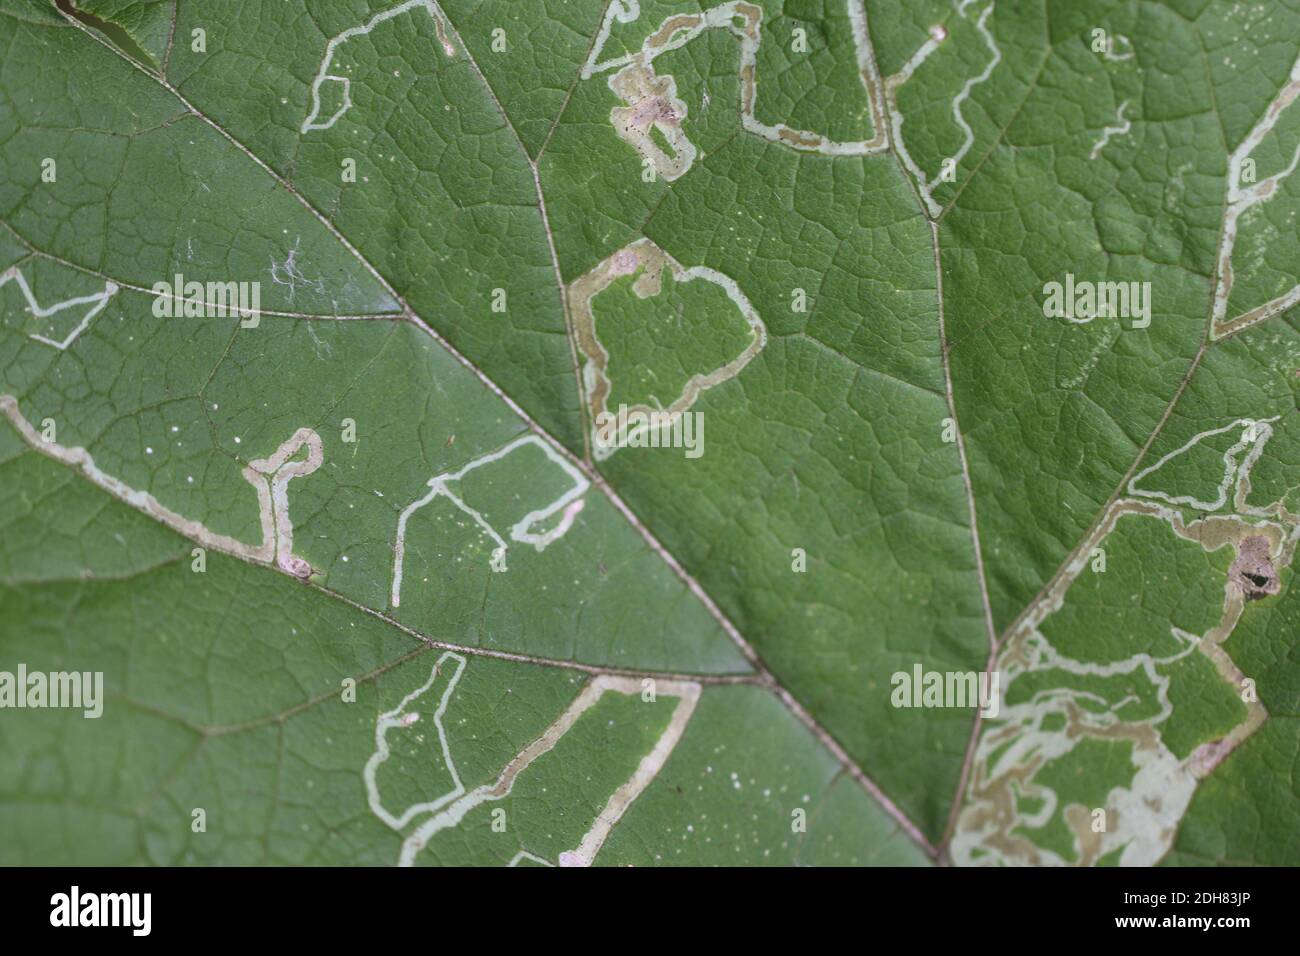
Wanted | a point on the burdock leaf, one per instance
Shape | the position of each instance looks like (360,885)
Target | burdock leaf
(648,432)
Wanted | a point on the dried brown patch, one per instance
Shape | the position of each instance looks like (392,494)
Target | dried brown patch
(1253,573)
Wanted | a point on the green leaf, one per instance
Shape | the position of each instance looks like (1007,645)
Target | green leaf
(551,433)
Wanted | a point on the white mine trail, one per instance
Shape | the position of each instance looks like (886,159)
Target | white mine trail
(97,301)
(567,506)
(450,808)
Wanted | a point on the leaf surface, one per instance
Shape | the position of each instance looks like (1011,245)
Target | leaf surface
(366,579)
